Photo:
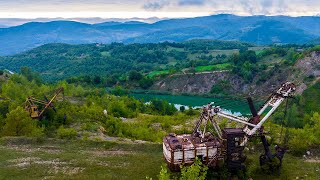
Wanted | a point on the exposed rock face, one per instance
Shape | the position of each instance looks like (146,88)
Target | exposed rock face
(201,83)
(197,83)
(310,65)
(307,67)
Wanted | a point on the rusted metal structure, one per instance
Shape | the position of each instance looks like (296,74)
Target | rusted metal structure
(227,145)
(32,104)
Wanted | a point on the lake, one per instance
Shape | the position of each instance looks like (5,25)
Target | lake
(233,105)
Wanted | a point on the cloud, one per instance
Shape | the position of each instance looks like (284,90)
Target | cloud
(155,5)
(191,2)
(98,8)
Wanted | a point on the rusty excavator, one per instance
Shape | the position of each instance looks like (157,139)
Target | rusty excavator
(226,146)
(32,105)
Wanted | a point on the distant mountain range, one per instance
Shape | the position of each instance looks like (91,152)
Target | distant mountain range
(260,30)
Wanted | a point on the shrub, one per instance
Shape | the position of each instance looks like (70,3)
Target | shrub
(182,108)
(145,83)
(164,175)
(191,111)
(66,133)
(221,87)
(196,171)
(162,107)
(119,91)
(19,123)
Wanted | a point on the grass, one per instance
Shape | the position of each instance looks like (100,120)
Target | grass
(157,73)
(25,158)
(224,66)
(271,60)
(105,53)
(292,168)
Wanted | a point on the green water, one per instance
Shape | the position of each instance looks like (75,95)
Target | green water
(235,106)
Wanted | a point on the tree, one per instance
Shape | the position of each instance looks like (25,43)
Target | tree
(97,80)
(135,76)
(30,75)
(4,108)
(163,107)
(182,108)
(119,91)
(111,80)
(19,123)
(145,83)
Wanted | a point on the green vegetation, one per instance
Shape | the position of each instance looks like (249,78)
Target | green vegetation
(224,66)
(88,116)
(62,61)
(304,119)
(19,123)
(195,171)
(138,66)
(222,87)
(66,133)
(262,65)
(83,107)
(124,118)
(158,73)
(26,158)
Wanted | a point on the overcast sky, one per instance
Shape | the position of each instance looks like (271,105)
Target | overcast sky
(153,8)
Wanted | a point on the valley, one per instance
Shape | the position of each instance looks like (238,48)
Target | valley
(118,105)
(160,90)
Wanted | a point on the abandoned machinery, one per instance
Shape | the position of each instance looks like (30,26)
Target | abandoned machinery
(228,144)
(37,107)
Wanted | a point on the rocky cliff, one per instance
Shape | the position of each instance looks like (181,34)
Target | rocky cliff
(201,83)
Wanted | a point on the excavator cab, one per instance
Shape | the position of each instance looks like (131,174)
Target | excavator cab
(34,111)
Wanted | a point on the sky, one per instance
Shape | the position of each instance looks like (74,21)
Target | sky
(31,9)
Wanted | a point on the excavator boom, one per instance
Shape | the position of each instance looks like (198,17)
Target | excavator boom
(227,147)
(32,104)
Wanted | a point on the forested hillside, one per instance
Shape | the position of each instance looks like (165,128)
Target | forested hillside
(61,61)
(191,67)
(263,30)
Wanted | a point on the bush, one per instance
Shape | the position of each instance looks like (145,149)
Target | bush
(145,83)
(135,76)
(66,133)
(119,91)
(182,108)
(221,87)
(191,111)
(19,123)
(196,171)
(164,175)
(162,107)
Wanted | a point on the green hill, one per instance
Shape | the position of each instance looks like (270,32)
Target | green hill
(62,61)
